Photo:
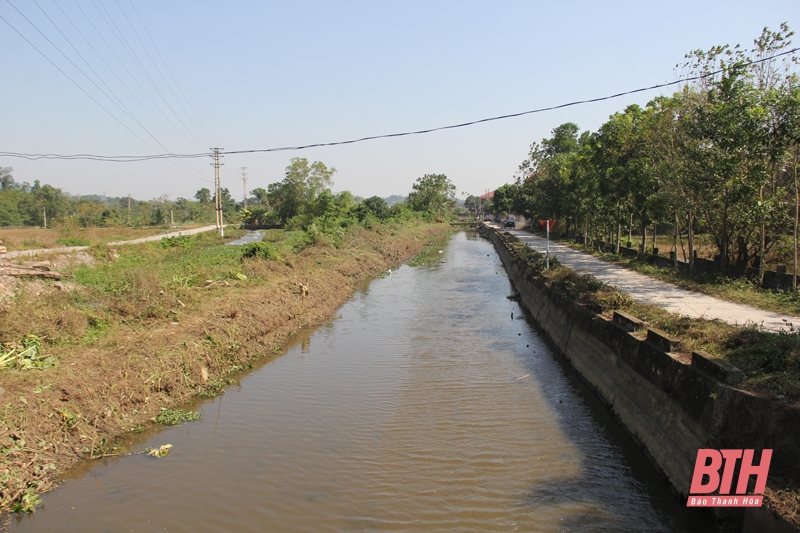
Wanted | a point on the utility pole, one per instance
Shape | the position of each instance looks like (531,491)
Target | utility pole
(217,195)
(129,209)
(244,179)
(44,216)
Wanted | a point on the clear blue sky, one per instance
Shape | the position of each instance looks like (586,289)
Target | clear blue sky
(269,74)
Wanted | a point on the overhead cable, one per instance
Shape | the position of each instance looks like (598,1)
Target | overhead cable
(391,135)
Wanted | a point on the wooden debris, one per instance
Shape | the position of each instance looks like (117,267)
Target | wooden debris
(35,269)
(303,289)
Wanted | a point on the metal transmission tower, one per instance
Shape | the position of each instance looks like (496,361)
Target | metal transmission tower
(244,179)
(217,192)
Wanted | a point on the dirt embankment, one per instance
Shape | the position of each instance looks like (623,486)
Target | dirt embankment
(120,372)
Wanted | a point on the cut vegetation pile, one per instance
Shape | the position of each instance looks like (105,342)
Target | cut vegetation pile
(157,325)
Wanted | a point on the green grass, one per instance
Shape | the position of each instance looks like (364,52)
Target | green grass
(430,253)
(73,241)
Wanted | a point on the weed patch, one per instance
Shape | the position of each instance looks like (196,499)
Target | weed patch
(261,250)
(25,355)
(173,417)
(73,241)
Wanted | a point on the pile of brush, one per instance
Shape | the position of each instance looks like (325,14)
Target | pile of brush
(32,269)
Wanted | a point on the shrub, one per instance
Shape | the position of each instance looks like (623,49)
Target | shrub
(262,250)
(178,241)
(73,241)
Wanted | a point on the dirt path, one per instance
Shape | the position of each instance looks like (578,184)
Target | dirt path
(69,249)
(651,291)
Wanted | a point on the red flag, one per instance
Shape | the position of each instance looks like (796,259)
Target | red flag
(544,223)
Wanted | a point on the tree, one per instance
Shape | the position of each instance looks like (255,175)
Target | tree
(229,205)
(302,184)
(6,179)
(504,198)
(472,204)
(377,206)
(261,194)
(203,196)
(432,193)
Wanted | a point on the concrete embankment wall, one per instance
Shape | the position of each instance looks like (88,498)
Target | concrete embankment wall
(670,408)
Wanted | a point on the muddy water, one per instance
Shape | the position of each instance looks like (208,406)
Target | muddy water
(404,414)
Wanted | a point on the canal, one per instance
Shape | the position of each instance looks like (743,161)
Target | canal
(423,406)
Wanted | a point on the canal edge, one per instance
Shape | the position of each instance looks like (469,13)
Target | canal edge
(670,409)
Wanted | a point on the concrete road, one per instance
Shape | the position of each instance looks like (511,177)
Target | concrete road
(253,236)
(648,290)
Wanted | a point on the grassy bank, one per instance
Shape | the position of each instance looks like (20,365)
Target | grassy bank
(136,334)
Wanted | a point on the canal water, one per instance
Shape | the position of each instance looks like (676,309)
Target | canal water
(424,406)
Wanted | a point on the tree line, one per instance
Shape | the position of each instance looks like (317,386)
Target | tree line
(303,198)
(718,157)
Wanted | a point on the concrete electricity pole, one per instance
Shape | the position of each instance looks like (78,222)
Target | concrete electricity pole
(244,179)
(129,209)
(217,193)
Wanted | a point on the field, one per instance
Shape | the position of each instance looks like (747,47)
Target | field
(34,238)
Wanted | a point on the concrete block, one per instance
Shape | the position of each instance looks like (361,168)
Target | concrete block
(628,322)
(717,368)
(663,341)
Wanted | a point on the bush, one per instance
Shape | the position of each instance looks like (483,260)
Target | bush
(178,241)
(262,250)
(259,215)
(73,241)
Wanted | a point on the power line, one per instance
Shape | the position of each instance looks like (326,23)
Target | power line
(194,138)
(111,69)
(128,48)
(108,158)
(166,65)
(500,117)
(391,135)
(116,102)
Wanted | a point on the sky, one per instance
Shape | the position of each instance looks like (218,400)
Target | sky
(185,76)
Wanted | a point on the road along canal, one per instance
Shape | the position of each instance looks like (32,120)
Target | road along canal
(429,404)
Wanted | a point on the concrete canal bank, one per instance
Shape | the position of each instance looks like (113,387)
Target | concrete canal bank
(670,408)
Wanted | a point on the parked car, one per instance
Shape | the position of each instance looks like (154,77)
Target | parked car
(509,223)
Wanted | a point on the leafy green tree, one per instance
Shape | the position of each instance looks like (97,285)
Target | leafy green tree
(203,196)
(377,206)
(229,205)
(504,198)
(6,179)
(302,184)
(261,195)
(432,193)
(472,204)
